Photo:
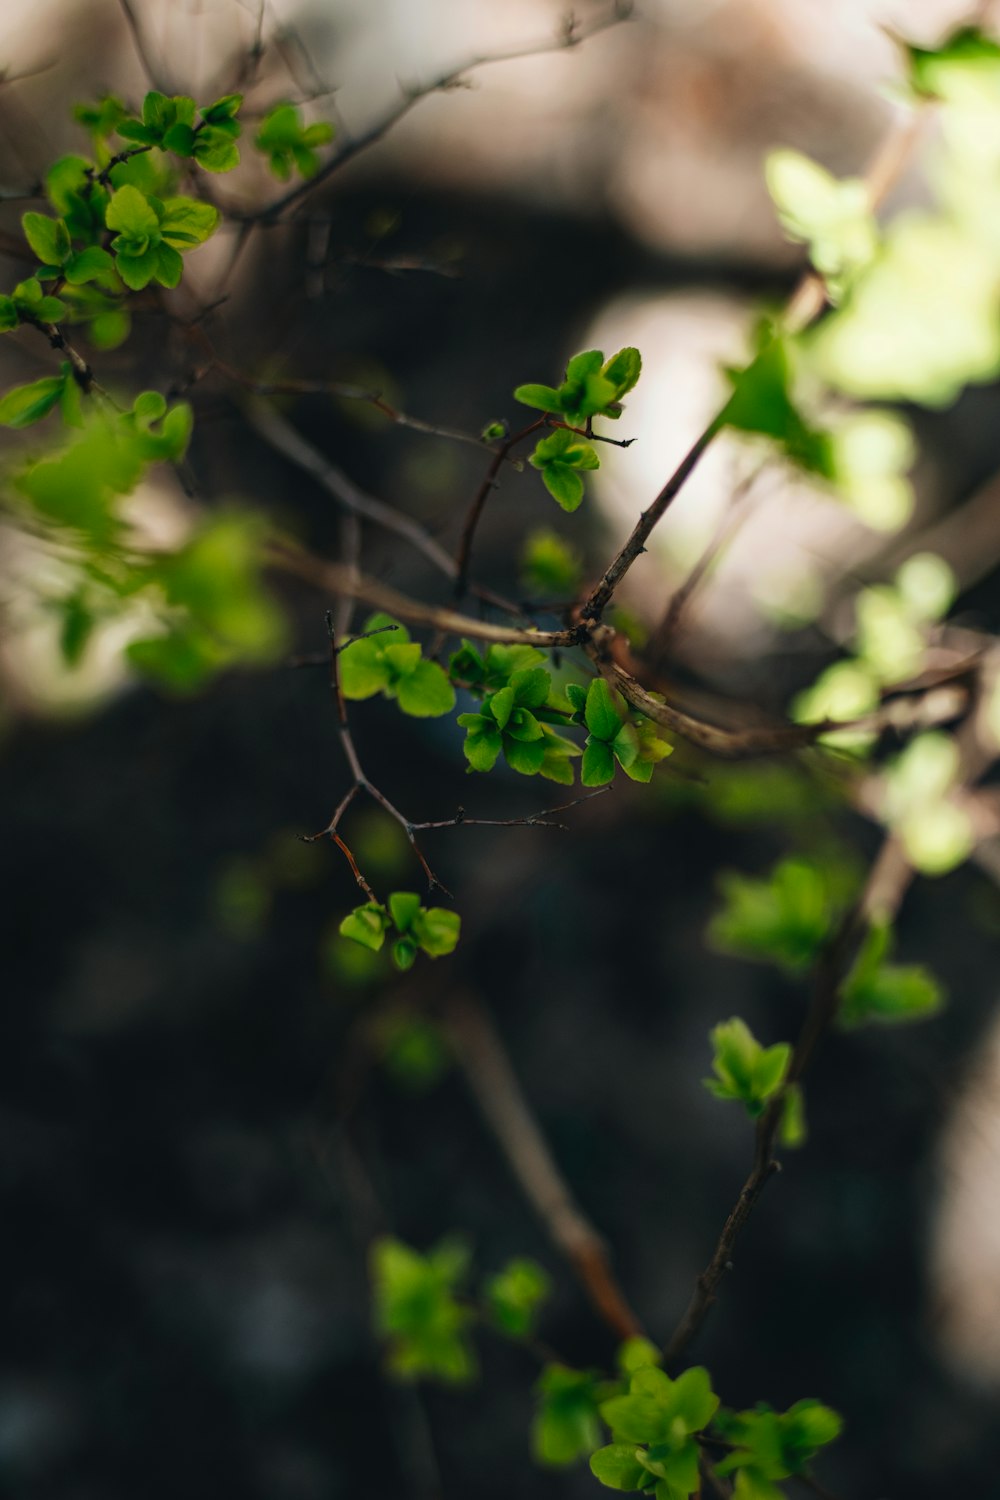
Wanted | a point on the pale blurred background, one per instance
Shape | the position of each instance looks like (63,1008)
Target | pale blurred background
(611,194)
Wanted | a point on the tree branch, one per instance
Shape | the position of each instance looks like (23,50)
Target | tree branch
(806,304)
(336,579)
(888,881)
(498,1094)
(463,557)
(569,35)
(285,439)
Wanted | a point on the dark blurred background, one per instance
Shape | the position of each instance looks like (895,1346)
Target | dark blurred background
(209,1104)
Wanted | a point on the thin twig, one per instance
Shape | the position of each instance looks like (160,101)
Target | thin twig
(361,783)
(498,1095)
(533,820)
(342,390)
(463,556)
(283,437)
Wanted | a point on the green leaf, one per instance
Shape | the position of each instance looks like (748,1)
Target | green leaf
(137,271)
(426,692)
(131,212)
(889,994)
(365,925)
(598,765)
(180,661)
(225,108)
(558,457)
(404,906)
(660,1410)
(187,218)
(404,953)
(557,763)
(530,686)
(762,403)
(617,1467)
(288,143)
(102,118)
(515,1294)
(87,265)
(563,484)
(135,130)
(525,757)
(70,399)
(215,151)
(785,918)
(8,314)
(550,564)
(158,112)
(169,266)
(483,741)
(965,68)
(792,1131)
(28,293)
(541,397)
(280,127)
(319,133)
(636,1353)
(876,348)
(363,669)
(566,1426)
(601,714)
(626,747)
(109,329)
(436,930)
(50,310)
(417,1312)
(26,404)
(583,365)
(769,1445)
(501,705)
(833,218)
(47,237)
(149,407)
(180,139)
(623,371)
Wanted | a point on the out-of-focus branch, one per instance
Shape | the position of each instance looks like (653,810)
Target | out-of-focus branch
(806,304)
(569,35)
(498,1095)
(336,579)
(152,72)
(887,884)
(287,440)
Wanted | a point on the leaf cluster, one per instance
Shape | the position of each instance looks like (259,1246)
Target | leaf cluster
(591,388)
(434,931)
(417,1310)
(518,711)
(289,144)
(388,662)
(612,740)
(770,1445)
(169,123)
(655,1427)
